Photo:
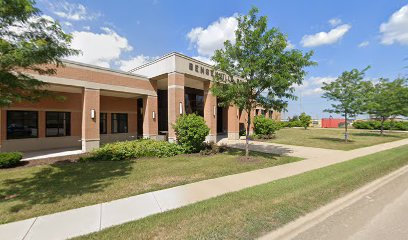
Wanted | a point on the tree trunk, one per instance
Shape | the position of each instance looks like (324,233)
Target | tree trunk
(247,134)
(345,128)
(382,126)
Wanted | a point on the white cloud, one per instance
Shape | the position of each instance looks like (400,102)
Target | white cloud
(127,65)
(335,22)
(313,85)
(207,40)
(396,29)
(99,48)
(71,11)
(87,28)
(363,44)
(325,38)
(290,45)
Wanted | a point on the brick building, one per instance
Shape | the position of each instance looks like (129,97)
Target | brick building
(103,105)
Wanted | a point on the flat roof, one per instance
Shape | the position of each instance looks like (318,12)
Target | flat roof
(103,68)
(170,55)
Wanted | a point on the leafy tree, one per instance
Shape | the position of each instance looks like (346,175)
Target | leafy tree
(347,91)
(31,43)
(305,120)
(387,99)
(258,69)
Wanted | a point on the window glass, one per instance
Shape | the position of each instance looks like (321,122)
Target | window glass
(103,124)
(22,124)
(58,124)
(119,123)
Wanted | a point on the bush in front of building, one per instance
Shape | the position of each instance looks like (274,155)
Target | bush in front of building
(305,120)
(191,131)
(265,128)
(134,149)
(376,125)
(10,159)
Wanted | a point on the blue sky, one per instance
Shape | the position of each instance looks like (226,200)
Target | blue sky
(343,34)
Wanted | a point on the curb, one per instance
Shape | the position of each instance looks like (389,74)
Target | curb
(292,229)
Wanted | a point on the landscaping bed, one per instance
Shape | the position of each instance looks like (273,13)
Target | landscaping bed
(258,210)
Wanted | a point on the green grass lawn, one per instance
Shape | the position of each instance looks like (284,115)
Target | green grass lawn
(255,211)
(33,191)
(333,138)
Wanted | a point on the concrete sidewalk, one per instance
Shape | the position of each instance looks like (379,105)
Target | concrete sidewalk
(93,218)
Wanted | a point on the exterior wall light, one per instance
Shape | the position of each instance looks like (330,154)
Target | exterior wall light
(214,110)
(93,113)
(181,108)
(154,115)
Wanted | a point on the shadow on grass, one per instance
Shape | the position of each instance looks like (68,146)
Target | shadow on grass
(373,134)
(241,153)
(338,140)
(61,180)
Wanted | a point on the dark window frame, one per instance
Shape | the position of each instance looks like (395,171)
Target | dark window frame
(103,118)
(66,117)
(9,112)
(120,118)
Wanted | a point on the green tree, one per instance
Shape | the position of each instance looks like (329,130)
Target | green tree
(347,91)
(31,43)
(305,120)
(387,99)
(258,69)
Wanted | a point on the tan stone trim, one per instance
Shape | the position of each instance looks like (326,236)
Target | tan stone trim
(91,85)
(41,109)
(176,86)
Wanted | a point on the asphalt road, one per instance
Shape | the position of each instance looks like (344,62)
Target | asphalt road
(381,215)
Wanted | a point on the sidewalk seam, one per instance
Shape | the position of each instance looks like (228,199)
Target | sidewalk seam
(154,196)
(29,229)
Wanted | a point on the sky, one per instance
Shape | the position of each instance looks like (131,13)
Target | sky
(343,34)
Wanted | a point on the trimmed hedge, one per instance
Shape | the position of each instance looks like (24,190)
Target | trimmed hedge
(291,124)
(265,127)
(10,159)
(191,131)
(376,125)
(134,149)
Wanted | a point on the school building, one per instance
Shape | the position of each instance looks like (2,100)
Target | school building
(103,105)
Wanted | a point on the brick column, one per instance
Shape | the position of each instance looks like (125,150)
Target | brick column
(41,124)
(150,124)
(210,112)
(176,83)
(90,126)
(233,123)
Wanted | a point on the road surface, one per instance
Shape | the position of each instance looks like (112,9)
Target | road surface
(381,215)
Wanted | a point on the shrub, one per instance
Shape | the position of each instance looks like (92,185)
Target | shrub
(265,127)
(376,125)
(10,159)
(191,131)
(305,120)
(212,148)
(134,149)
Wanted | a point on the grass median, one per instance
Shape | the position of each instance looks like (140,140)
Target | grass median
(27,192)
(255,211)
(334,138)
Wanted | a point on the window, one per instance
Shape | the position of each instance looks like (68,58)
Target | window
(270,113)
(58,124)
(194,101)
(22,124)
(256,112)
(263,112)
(119,123)
(103,123)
